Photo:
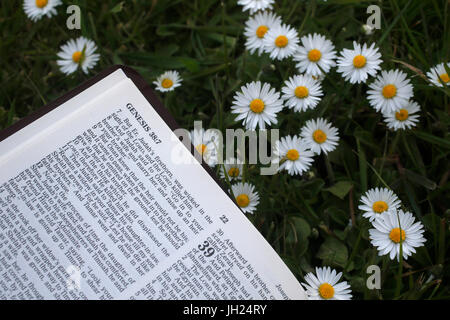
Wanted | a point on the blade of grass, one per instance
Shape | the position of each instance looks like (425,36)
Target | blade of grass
(442,248)
(388,30)
(362,166)
(433,139)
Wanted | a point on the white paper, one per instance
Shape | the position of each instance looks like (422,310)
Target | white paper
(93,207)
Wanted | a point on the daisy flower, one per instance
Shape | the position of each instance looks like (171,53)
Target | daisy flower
(358,64)
(302,92)
(388,234)
(316,53)
(36,9)
(294,155)
(78,53)
(438,75)
(368,30)
(206,144)
(405,118)
(281,42)
(168,81)
(390,91)
(255,5)
(320,136)
(246,196)
(257,105)
(324,285)
(233,167)
(256,28)
(378,200)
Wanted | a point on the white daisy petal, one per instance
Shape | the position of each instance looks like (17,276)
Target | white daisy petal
(438,75)
(281,42)
(390,91)
(168,81)
(376,201)
(404,118)
(302,92)
(294,155)
(246,196)
(315,54)
(255,5)
(388,234)
(36,9)
(324,285)
(207,144)
(256,29)
(320,136)
(257,106)
(77,53)
(233,169)
(358,64)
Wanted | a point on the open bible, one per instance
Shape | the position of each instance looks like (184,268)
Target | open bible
(93,207)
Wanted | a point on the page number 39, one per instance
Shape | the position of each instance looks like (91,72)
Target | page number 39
(206,249)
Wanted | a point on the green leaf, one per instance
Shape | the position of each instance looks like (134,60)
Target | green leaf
(163,31)
(302,247)
(190,64)
(310,188)
(230,41)
(340,189)
(168,50)
(420,180)
(366,138)
(340,234)
(431,222)
(163,61)
(333,252)
(433,139)
(338,215)
(301,227)
(117,8)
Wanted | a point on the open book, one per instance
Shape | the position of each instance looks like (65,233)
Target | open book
(93,207)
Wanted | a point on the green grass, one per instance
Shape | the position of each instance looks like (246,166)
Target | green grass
(305,220)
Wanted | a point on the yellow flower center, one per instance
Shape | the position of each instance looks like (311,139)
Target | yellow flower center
(41,3)
(257,106)
(389,91)
(233,172)
(261,31)
(201,148)
(319,136)
(379,206)
(444,77)
(359,61)
(242,200)
(77,56)
(292,154)
(314,55)
(301,92)
(166,83)
(394,235)
(326,291)
(281,41)
(401,115)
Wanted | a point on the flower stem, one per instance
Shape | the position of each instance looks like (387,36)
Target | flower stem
(355,248)
(329,169)
(398,287)
(394,142)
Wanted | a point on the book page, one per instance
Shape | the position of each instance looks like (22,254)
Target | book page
(93,206)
